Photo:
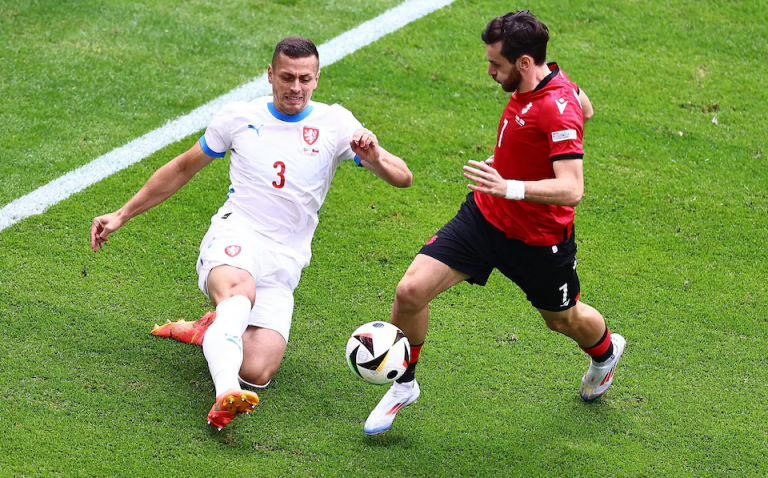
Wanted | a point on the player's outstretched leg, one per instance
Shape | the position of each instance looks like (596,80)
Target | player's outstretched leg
(183,331)
(231,404)
(599,376)
(399,396)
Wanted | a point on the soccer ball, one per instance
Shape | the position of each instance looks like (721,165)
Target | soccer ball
(378,352)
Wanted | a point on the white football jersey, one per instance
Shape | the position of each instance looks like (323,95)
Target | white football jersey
(281,166)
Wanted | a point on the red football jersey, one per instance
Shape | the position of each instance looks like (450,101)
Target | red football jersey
(536,129)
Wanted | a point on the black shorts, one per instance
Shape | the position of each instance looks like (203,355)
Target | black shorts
(474,246)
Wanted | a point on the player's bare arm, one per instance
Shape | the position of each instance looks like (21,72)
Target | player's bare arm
(587,110)
(160,186)
(379,161)
(565,189)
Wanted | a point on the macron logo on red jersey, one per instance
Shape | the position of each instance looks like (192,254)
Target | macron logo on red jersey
(561,104)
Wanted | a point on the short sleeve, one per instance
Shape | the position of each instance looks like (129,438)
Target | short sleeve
(564,125)
(347,124)
(217,139)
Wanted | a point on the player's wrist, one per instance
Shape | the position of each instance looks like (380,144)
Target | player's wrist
(515,190)
(122,216)
(375,157)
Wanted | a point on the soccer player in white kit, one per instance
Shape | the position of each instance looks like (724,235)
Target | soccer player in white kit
(285,149)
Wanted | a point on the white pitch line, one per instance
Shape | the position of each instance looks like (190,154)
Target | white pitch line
(118,159)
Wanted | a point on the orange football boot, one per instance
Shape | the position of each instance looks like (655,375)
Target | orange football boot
(183,331)
(231,404)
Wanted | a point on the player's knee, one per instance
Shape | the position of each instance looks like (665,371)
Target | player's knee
(561,325)
(409,296)
(562,322)
(226,281)
(257,377)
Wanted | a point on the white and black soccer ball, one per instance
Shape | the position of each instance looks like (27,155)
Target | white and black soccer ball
(378,352)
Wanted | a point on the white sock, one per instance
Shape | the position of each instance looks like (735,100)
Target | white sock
(223,342)
(253,385)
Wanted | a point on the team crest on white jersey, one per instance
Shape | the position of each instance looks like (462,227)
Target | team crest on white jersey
(310,135)
(232,251)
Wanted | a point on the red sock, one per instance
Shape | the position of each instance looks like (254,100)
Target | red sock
(602,350)
(410,373)
(415,351)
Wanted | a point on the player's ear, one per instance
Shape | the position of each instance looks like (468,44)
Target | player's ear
(317,77)
(269,73)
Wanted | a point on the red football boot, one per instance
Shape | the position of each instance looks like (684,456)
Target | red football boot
(183,331)
(231,404)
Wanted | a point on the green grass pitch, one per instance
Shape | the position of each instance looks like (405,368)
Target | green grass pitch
(671,232)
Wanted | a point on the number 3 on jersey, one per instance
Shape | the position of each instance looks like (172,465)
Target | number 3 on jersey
(280,166)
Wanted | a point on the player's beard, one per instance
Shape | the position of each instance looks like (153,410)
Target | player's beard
(512,82)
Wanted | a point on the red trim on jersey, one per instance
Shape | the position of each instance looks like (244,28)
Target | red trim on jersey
(536,128)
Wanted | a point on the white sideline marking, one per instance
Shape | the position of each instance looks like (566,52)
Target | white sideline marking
(118,159)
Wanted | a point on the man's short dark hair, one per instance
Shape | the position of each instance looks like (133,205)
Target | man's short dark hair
(295,47)
(521,34)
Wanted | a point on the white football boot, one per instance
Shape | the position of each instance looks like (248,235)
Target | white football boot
(599,376)
(397,397)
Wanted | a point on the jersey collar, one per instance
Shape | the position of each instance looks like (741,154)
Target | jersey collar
(289,118)
(554,69)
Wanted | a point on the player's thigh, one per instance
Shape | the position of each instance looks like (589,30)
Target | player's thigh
(227,264)
(426,278)
(547,274)
(263,351)
(465,245)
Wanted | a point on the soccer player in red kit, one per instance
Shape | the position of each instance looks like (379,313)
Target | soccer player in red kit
(519,216)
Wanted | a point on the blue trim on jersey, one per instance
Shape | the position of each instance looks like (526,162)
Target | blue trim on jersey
(208,150)
(358,161)
(289,118)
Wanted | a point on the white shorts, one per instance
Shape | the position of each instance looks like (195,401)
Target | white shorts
(276,273)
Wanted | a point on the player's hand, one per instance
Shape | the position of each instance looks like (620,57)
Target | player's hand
(489,160)
(365,145)
(102,227)
(487,178)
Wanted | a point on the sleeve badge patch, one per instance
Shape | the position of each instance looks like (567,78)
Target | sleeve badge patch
(564,135)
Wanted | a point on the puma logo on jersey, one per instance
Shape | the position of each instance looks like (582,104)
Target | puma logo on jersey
(561,104)
(255,128)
